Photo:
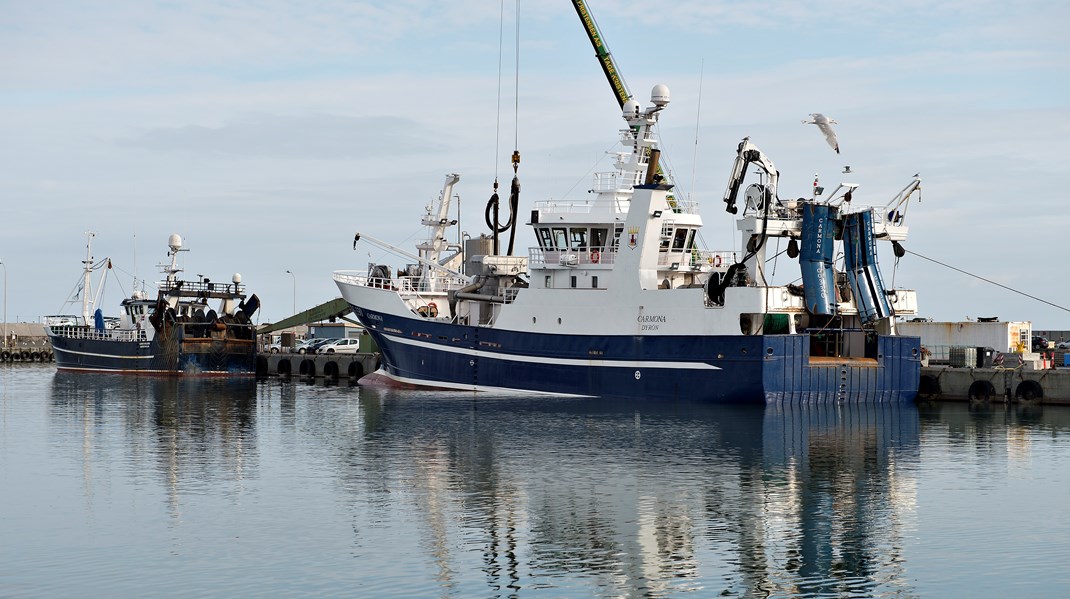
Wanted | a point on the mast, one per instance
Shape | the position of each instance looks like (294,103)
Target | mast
(431,250)
(86,281)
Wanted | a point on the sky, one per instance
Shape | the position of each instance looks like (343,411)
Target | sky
(268,132)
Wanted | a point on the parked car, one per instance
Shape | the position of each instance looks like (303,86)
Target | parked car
(318,343)
(340,346)
(273,348)
(1063,345)
(1039,343)
(308,346)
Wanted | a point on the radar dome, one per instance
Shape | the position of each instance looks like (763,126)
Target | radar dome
(174,241)
(631,108)
(236,278)
(659,95)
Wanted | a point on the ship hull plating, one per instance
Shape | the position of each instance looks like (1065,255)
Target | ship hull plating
(739,368)
(186,357)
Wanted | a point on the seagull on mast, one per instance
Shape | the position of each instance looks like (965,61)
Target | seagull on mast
(825,125)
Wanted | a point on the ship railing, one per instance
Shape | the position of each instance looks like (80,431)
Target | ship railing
(681,206)
(611,181)
(540,257)
(562,207)
(718,260)
(405,284)
(89,333)
(413,284)
(200,286)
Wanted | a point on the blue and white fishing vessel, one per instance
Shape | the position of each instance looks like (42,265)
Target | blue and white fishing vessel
(178,332)
(619,299)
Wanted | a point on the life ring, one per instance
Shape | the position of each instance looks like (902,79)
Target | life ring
(716,261)
(595,256)
(432,309)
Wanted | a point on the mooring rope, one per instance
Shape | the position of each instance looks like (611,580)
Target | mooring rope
(1018,291)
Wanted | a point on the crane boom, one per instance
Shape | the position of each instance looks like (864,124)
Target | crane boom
(601,52)
(746,154)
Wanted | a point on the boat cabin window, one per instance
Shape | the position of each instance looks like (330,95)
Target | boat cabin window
(560,238)
(679,239)
(598,238)
(666,235)
(617,231)
(546,241)
(691,240)
(579,238)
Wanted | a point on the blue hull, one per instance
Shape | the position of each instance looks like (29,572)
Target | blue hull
(755,369)
(187,357)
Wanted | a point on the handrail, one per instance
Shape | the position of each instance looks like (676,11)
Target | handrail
(77,332)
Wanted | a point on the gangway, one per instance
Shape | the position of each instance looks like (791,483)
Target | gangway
(336,308)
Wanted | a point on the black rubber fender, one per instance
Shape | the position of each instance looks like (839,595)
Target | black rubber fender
(261,366)
(356,369)
(330,371)
(1029,391)
(982,391)
(928,386)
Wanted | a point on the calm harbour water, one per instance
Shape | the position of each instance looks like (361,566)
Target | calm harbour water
(136,487)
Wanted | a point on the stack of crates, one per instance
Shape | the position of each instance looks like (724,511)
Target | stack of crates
(961,356)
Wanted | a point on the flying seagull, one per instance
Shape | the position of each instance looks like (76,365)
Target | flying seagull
(825,125)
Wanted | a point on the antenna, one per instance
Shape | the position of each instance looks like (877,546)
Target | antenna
(698,111)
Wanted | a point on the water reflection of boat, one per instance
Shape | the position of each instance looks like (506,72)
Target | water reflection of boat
(636,496)
(188,430)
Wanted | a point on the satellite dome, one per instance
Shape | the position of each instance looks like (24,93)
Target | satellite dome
(659,96)
(235,278)
(174,241)
(631,108)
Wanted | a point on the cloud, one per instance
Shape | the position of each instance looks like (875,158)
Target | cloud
(316,136)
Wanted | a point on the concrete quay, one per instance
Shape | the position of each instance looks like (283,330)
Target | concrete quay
(333,366)
(946,383)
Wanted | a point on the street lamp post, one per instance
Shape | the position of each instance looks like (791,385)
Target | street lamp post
(5,303)
(294,277)
(289,272)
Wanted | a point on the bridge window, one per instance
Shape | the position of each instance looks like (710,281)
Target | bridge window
(546,241)
(579,238)
(598,238)
(679,239)
(560,238)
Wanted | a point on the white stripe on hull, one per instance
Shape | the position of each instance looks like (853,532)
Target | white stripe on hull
(477,353)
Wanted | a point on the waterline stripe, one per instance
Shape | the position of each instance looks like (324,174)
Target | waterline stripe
(478,353)
(83,353)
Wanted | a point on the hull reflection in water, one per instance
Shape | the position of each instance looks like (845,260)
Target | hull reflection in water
(634,498)
(190,432)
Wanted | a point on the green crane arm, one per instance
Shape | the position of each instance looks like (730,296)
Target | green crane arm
(601,52)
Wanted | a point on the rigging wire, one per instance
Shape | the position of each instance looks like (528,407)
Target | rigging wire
(1019,292)
(498,113)
(698,115)
(516,85)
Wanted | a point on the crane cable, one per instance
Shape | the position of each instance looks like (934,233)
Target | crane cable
(491,214)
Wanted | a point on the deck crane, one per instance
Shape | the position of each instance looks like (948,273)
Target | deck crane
(746,154)
(601,52)
(609,67)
